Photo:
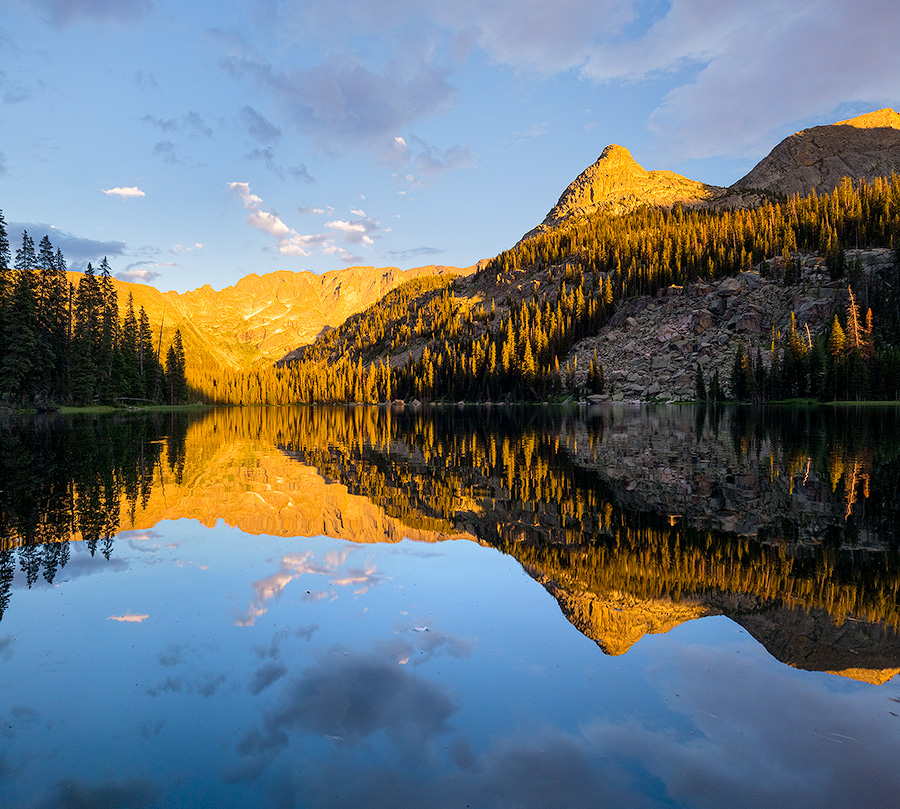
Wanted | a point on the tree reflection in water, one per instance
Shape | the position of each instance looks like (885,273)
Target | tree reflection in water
(635,520)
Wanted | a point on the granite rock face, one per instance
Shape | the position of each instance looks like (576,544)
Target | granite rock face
(817,159)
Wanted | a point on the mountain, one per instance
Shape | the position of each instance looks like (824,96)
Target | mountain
(817,159)
(263,317)
(617,183)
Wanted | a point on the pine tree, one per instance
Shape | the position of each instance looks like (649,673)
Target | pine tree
(109,365)
(699,384)
(25,257)
(5,262)
(147,365)
(19,343)
(5,256)
(175,371)
(128,348)
(85,338)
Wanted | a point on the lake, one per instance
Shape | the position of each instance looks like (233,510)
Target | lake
(451,607)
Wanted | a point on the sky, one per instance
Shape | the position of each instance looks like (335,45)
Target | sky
(195,142)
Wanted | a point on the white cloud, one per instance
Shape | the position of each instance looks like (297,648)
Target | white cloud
(178,249)
(249,199)
(269,222)
(789,64)
(140,272)
(288,241)
(131,192)
(361,230)
(739,71)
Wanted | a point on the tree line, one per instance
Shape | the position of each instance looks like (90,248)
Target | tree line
(62,343)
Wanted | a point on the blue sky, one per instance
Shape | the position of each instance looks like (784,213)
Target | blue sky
(197,142)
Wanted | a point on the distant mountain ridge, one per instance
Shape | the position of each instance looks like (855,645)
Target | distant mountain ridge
(262,317)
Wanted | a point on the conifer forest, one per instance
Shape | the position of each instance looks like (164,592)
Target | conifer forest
(75,344)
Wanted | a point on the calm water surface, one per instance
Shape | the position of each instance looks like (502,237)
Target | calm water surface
(512,607)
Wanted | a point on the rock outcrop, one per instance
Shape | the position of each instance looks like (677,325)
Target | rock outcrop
(818,158)
(811,640)
(652,346)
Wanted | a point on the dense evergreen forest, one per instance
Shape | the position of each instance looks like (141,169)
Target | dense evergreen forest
(65,344)
(506,332)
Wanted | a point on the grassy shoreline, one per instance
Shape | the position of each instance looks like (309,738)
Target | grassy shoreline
(104,409)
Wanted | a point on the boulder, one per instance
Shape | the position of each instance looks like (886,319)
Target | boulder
(731,286)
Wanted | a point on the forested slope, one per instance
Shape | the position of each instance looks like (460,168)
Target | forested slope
(508,332)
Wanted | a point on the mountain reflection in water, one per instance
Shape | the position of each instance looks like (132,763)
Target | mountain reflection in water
(634,520)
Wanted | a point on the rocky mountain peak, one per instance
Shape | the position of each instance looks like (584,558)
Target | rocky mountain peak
(615,159)
(618,183)
(865,147)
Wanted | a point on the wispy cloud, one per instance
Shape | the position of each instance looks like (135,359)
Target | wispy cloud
(342,101)
(725,62)
(178,249)
(129,618)
(293,566)
(167,151)
(139,272)
(419,161)
(145,80)
(258,126)
(267,155)
(415,252)
(129,192)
